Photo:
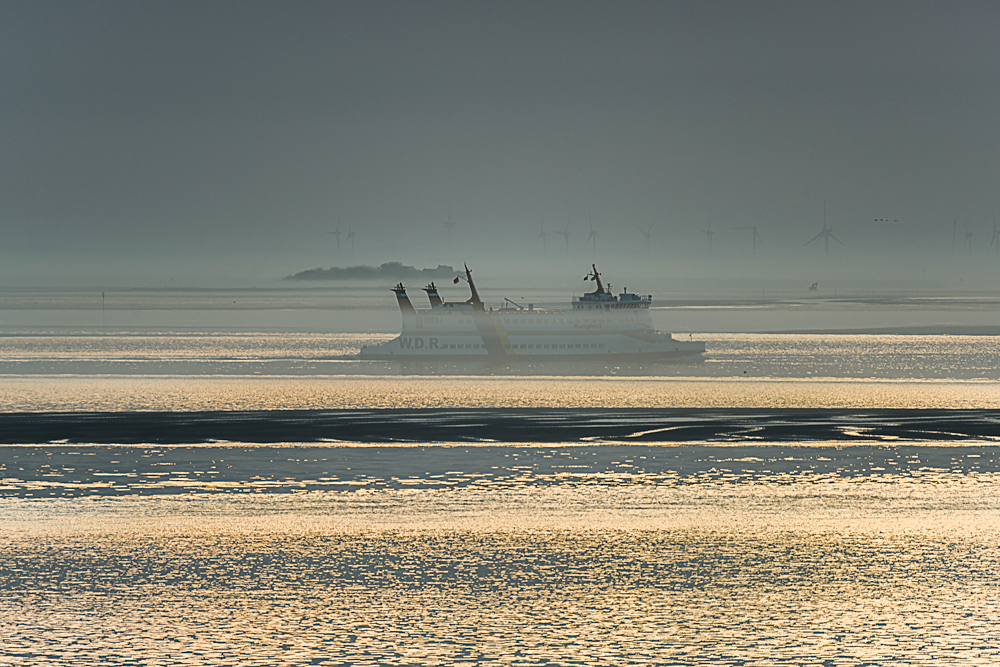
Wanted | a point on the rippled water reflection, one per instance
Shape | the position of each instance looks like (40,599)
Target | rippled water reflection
(728,355)
(541,597)
(756,553)
(94,470)
(116,393)
(170,371)
(636,555)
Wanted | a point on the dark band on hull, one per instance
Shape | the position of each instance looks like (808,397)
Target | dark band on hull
(487,356)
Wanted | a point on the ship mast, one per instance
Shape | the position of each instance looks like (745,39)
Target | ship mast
(594,275)
(474,300)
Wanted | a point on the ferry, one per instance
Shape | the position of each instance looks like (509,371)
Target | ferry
(599,326)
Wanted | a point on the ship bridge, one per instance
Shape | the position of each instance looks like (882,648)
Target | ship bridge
(602,298)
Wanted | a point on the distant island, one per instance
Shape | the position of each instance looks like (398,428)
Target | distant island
(387,271)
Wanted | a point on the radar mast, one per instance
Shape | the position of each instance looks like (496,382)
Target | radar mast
(594,275)
(474,300)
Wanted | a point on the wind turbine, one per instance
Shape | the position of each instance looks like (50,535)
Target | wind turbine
(648,233)
(542,234)
(449,224)
(756,236)
(995,239)
(350,235)
(565,233)
(592,236)
(826,235)
(954,231)
(336,232)
(708,235)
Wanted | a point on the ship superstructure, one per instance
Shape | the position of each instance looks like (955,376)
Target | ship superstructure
(599,325)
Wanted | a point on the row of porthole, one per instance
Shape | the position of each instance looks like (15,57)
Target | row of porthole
(553,346)
(577,321)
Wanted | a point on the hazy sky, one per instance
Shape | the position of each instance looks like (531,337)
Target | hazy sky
(178,140)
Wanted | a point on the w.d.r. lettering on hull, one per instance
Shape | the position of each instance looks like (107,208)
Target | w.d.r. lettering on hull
(407,343)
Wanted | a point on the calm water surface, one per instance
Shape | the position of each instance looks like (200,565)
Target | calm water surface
(844,551)
(220,371)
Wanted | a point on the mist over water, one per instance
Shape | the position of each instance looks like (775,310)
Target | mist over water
(197,468)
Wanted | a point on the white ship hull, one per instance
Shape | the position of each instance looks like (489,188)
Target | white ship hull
(600,327)
(536,335)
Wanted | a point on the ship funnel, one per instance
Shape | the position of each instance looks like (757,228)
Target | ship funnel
(403,300)
(432,294)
